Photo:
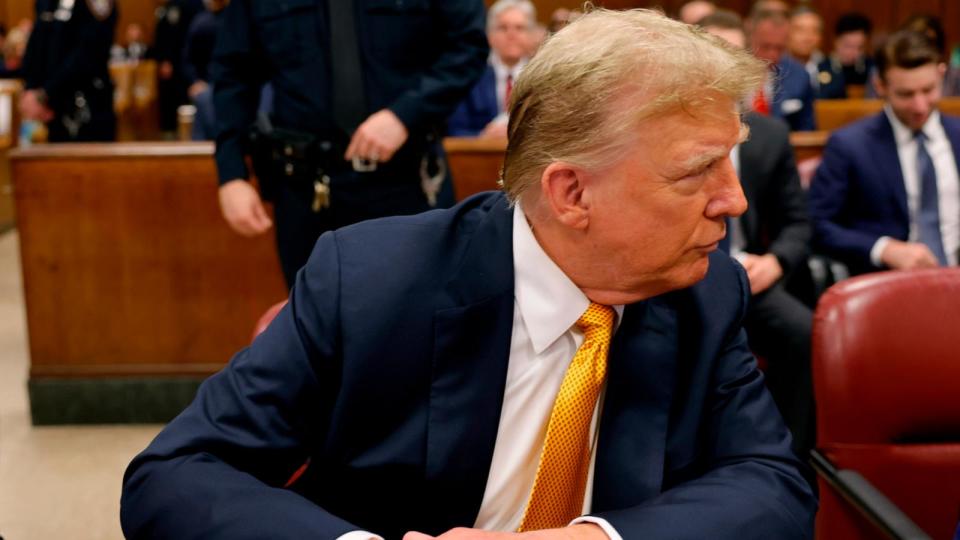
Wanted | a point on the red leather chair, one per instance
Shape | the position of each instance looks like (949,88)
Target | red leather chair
(886,361)
(266,318)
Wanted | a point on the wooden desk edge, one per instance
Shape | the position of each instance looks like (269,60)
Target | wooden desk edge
(115,150)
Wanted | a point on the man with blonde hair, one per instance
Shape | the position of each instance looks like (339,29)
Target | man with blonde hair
(562,361)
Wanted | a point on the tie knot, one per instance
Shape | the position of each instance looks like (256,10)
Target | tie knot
(596,317)
(920,136)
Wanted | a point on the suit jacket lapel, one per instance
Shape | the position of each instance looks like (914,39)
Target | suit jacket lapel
(887,162)
(640,386)
(472,349)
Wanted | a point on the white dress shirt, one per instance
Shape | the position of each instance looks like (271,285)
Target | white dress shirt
(501,71)
(948,183)
(544,340)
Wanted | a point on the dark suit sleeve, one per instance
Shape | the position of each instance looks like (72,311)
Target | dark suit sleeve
(459,124)
(828,196)
(753,489)
(791,226)
(217,470)
(464,53)
(236,74)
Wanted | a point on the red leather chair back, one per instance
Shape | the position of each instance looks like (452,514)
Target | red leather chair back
(886,364)
(266,319)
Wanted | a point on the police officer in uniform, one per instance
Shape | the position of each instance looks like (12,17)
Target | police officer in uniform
(66,78)
(360,87)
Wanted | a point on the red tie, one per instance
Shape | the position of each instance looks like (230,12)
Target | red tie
(760,104)
(506,95)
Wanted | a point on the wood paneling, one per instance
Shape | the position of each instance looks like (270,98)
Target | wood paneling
(128,267)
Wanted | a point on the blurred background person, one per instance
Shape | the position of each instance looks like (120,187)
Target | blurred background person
(173,18)
(772,242)
(694,11)
(483,113)
(931,27)
(14,47)
(787,93)
(806,36)
(67,84)
(133,48)
(850,61)
(197,52)
(562,17)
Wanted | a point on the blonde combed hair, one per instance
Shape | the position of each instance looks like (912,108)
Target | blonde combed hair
(583,97)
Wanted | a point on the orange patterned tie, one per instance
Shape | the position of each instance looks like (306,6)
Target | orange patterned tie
(561,481)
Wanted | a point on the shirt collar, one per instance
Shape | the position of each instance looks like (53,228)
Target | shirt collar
(550,303)
(501,70)
(932,129)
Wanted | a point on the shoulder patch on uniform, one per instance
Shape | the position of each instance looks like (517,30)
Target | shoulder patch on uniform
(101,9)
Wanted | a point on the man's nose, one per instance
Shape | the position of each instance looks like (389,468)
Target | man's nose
(728,198)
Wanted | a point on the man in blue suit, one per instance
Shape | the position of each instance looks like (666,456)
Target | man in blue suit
(886,194)
(420,381)
(788,93)
(484,111)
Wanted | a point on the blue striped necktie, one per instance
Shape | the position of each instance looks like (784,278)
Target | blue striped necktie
(928,216)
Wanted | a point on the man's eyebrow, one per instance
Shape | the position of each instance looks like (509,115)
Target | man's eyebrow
(703,159)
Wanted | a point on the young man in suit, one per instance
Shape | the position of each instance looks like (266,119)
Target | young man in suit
(787,94)
(564,360)
(510,25)
(886,195)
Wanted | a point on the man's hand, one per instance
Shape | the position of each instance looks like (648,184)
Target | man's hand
(901,255)
(378,137)
(32,109)
(241,206)
(580,531)
(762,271)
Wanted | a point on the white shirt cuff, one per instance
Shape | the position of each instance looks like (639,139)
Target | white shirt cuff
(600,522)
(359,535)
(877,251)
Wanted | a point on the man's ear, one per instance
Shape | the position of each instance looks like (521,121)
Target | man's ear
(564,187)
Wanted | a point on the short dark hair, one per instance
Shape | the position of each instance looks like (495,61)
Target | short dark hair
(853,22)
(905,49)
(722,18)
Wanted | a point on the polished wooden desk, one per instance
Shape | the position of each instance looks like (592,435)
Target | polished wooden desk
(130,273)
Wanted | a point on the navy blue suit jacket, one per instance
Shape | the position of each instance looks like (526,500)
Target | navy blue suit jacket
(387,369)
(478,109)
(793,95)
(858,195)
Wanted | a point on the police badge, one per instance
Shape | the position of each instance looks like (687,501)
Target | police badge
(101,9)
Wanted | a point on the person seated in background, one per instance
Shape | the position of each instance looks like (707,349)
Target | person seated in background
(771,240)
(849,64)
(787,93)
(14,47)
(806,36)
(563,360)
(484,111)
(931,27)
(887,194)
(694,11)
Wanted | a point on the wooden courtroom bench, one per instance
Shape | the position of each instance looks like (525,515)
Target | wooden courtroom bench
(135,288)
(834,113)
(475,163)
